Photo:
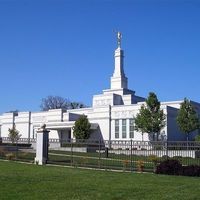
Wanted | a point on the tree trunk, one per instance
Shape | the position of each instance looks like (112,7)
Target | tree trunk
(187,140)
(153,136)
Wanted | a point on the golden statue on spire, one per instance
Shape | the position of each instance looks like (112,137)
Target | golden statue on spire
(119,37)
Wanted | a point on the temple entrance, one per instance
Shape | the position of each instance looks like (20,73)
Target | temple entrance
(65,135)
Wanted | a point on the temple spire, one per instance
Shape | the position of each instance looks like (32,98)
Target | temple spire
(119,80)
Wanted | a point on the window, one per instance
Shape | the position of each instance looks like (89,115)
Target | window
(123,128)
(117,128)
(131,128)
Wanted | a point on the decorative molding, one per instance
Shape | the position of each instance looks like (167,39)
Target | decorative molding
(103,102)
(123,114)
(39,119)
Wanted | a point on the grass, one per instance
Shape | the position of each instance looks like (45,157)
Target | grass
(23,181)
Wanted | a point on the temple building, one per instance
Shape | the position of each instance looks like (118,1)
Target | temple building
(111,115)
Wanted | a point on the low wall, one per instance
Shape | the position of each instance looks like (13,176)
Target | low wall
(158,153)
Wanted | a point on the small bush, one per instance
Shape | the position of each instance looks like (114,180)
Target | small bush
(179,158)
(125,164)
(10,156)
(83,161)
(191,170)
(173,167)
(153,158)
(165,157)
(2,151)
(170,167)
(140,165)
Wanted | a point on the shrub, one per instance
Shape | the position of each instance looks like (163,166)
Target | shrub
(13,134)
(165,157)
(173,167)
(2,151)
(153,158)
(83,161)
(82,128)
(125,164)
(10,156)
(197,138)
(191,170)
(179,158)
(170,167)
(140,165)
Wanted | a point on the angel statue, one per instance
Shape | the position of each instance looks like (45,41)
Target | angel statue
(119,37)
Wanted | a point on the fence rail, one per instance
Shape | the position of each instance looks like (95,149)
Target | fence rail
(19,150)
(127,155)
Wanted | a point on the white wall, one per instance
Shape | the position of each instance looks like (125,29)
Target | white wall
(22,122)
(7,121)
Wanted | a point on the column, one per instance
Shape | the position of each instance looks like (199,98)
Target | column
(42,142)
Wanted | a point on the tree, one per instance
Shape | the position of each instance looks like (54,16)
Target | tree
(187,118)
(82,128)
(75,105)
(150,119)
(54,102)
(13,134)
(57,102)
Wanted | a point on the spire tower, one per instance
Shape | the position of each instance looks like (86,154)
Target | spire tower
(119,80)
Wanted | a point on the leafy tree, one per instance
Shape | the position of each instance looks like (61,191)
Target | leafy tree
(82,128)
(187,118)
(197,138)
(150,119)
(57,102)
(13,134)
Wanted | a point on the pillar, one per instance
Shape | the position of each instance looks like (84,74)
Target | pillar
(42,145)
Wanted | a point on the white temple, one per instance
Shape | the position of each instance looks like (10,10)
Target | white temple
(111,115)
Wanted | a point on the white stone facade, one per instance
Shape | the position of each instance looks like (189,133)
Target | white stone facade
(111,114)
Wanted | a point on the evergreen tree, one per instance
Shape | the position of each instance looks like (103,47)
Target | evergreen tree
(82,128)
(13,134)
(187,118)
(150,118)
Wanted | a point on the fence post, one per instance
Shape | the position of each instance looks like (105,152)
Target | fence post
(42,145)
(131,155)
(99,153)
(167,148)
(71,152)
(16,150)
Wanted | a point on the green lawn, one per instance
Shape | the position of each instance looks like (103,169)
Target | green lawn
(27,181)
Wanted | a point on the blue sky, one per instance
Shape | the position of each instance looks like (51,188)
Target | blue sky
(66,48)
